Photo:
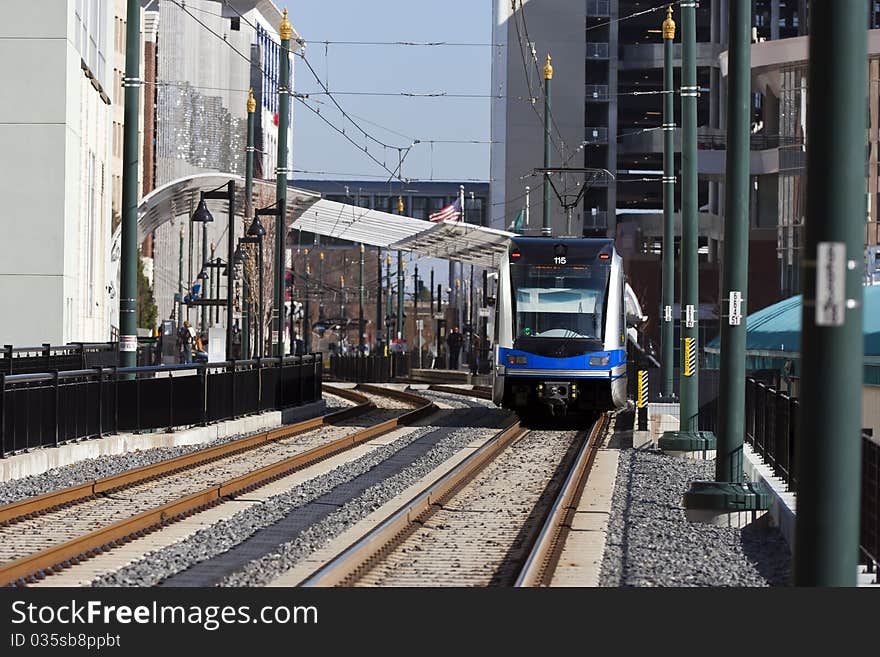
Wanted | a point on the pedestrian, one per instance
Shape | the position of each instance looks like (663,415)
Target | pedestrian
(185,336)
(475,354)
(454,342)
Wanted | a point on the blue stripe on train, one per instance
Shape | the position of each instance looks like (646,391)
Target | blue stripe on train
(582,362)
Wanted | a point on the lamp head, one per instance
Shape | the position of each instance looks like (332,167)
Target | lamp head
(202,214)
(256,228)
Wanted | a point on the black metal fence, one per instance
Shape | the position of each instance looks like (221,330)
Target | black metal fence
(72,356)
(47,409)
(370,369)
(773,429)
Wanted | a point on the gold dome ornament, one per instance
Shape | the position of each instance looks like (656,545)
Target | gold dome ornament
(285,31)
(548,69)
(669,25)
(251,102)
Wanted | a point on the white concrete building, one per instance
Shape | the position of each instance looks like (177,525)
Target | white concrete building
(55,151)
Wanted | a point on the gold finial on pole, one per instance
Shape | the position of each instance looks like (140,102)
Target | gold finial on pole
(669,25)
(285,31)
(548,69)
(251,102)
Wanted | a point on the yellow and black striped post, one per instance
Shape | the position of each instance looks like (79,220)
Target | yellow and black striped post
(642,400)
(690,357)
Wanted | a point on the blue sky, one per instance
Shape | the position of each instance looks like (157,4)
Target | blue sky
(380,68)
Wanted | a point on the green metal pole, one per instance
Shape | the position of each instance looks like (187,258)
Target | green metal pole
(285,32)
(248,210)
(307,308)
(728,495)
(735,275)
(417,342)
(361,305)
(689,379)
(832,342)
(129,252)
(401,284)
(321,286)
(388,286)
(688,438)
(205,282)
(379,302)
(548,76)
(667,328)
(180,284)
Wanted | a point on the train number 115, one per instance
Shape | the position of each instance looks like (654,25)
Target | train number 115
(559,260)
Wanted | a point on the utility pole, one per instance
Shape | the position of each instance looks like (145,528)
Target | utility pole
(832,340)
(431,300)
(526,217)
(548,76)
(361,305)
(129,252)
(667,326)
(728,496)
(439,312)
(688,438)
(248,210)
(285,31)
(484,333)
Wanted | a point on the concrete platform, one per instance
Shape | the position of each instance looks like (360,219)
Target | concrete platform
(581,560)
(43,459)
(450,376)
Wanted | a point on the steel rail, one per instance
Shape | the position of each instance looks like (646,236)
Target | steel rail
(55,558)
(548,545)
(32,506)
(346,566)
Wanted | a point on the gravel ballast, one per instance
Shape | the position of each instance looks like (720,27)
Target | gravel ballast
(651,543)
(225,535)
(105,466)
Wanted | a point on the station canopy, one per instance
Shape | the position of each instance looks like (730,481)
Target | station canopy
(309,212)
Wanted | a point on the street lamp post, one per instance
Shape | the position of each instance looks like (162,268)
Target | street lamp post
(202,214)
(688,438)
(180,284)
(728,496)
(248,196)
(285,31)
(667,327)
(548,76)
(388,287)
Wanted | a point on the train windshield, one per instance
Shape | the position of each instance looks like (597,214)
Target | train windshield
(559,301)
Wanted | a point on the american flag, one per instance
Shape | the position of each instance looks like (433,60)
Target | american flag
(449,213)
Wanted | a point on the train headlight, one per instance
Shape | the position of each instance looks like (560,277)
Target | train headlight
(516,360)
(598,361)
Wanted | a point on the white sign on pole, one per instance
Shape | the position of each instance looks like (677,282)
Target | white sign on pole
(830,283)
(420,324)
(483,312)
(438,315)
(128,343)
(734,310)
(690,318)
(667,314)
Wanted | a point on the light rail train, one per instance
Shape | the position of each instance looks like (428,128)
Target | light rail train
(562,315)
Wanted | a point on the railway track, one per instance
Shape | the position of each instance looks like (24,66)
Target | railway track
(499,518)
(42,535)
